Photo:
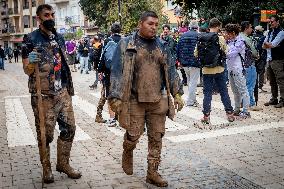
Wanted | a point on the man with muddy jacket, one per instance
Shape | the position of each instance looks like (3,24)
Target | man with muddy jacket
(143,75)
(47,49)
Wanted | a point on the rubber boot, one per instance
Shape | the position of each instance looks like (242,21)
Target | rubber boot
(127,155)
(153,177)
(63,156)
(99,118)
(47,172)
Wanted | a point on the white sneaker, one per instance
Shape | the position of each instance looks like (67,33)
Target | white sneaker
(195,104)
(111,122)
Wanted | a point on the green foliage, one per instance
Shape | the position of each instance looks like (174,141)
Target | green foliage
(105,12)
(79,33)
(229,11)
(69,36)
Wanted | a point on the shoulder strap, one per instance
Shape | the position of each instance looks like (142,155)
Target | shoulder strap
(242,58)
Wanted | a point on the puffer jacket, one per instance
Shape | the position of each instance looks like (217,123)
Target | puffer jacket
(185,49)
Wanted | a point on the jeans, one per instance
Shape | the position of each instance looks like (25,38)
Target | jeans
(220,81)
(239,88)
(84,64)
(2,63)
(250,82)
(226,73)
(193,75)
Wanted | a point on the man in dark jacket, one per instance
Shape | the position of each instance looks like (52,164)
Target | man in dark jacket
(274,44)
(16,54)
(260,64)
(141,70)
(2,58)
(104,75)
(46,48)
(185,55)
(83,50)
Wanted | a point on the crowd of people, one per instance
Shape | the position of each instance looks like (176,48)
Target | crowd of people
(7,54)
(241,54)
(235,54)
(140,82)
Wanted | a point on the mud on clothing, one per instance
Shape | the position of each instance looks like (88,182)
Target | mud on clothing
(54,71)
(56,84)
(147,75)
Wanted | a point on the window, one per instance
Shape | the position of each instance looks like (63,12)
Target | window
(33,3)
(34,21)
(26,19)
(25,4)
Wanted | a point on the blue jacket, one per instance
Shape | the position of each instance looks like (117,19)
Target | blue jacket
(40,40)
(185,49)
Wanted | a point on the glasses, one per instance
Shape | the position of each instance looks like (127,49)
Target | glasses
(271,21)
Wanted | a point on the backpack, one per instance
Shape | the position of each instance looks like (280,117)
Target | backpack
(248,60)
(209,52)
(108,52)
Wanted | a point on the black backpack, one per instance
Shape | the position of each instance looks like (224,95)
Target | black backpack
(209,52)
(248,60)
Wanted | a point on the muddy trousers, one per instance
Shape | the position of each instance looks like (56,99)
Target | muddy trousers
(154,147)
(56,109)
(154,116)
(102,101)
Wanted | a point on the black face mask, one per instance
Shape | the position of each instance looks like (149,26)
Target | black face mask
(48,24)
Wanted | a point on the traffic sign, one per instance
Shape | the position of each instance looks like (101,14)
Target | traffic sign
(265,14)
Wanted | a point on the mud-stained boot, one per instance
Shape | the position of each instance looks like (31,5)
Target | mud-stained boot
(46,165)
(153,177)
(63,156)
(100,119)
(127,155)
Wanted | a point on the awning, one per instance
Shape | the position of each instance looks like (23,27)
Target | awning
(16,39)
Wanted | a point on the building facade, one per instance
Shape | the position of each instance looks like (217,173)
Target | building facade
(174,13)
(68,15)
(18,17)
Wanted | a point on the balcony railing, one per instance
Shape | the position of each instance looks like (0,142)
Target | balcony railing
(26,6)
(8,30)
(61,1)
(10,11)
(4,12)
(13,11)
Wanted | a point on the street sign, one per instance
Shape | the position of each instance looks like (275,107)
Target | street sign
(265,14)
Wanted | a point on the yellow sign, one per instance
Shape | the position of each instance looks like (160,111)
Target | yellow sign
(265,14)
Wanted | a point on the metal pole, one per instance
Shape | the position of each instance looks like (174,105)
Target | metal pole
(119,11)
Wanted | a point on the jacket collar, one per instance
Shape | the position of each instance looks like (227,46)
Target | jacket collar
(131,43)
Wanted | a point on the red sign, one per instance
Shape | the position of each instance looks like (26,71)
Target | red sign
(265,14)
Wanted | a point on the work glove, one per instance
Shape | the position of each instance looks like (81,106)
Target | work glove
(115,105)
(29,69)
(178,101)
(34,57)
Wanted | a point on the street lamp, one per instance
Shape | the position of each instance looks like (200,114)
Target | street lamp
(256,16)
